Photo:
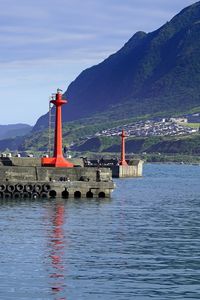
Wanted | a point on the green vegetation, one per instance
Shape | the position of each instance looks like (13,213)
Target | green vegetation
(190,159)
(153,149)
(192,125)
(81,134)
(153,74)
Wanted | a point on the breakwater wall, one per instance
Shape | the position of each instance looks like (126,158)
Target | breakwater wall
(133,169)
(21,178)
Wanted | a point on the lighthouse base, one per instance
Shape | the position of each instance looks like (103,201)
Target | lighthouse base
(123,163)
(58,162)
(128,171)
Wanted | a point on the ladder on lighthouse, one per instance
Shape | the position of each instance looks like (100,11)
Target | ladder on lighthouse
(51,126)
(57,159)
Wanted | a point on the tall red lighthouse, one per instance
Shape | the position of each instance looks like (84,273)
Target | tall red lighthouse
(57,160)
(123,161)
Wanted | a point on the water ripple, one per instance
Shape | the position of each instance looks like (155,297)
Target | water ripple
(142,244)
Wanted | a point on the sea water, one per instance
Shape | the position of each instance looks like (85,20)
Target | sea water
(143,243)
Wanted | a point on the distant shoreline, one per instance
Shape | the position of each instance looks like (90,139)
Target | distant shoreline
(174,163)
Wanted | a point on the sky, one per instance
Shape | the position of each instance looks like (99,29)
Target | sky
(45,44)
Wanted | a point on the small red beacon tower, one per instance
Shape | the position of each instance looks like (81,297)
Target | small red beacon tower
(123,161)
(57,160)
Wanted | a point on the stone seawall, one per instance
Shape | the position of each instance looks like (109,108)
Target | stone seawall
(31,161)
(69,189)
(134,168)
(128,171)
(28,173)
(49,182)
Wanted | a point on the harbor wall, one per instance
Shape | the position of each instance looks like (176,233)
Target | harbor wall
(29,173)
(31,161)
(49,182)
(134,170)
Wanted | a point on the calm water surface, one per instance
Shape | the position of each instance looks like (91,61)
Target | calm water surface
(144,243)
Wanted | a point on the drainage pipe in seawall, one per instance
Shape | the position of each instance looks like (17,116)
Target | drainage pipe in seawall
(7,195)
(28,187)
(46,187)
(19,187)
(16,195)
(2,187)
(37,188)
(10,188)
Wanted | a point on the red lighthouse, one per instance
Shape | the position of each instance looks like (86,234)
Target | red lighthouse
(57,160)
(123,161)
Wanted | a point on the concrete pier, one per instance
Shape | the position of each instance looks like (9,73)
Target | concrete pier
(25,178)
(51,177)
(134,170)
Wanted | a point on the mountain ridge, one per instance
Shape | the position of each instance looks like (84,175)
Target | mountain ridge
(13,130)
(158,69)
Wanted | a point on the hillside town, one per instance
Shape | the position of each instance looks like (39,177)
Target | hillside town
(154,127)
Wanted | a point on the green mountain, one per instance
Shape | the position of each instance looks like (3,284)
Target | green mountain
(153,73)
(13,130)
(188,145)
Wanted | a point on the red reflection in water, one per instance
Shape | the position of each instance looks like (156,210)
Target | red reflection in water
(57,251)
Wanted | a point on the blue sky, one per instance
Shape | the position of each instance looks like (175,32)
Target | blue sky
(45,44)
